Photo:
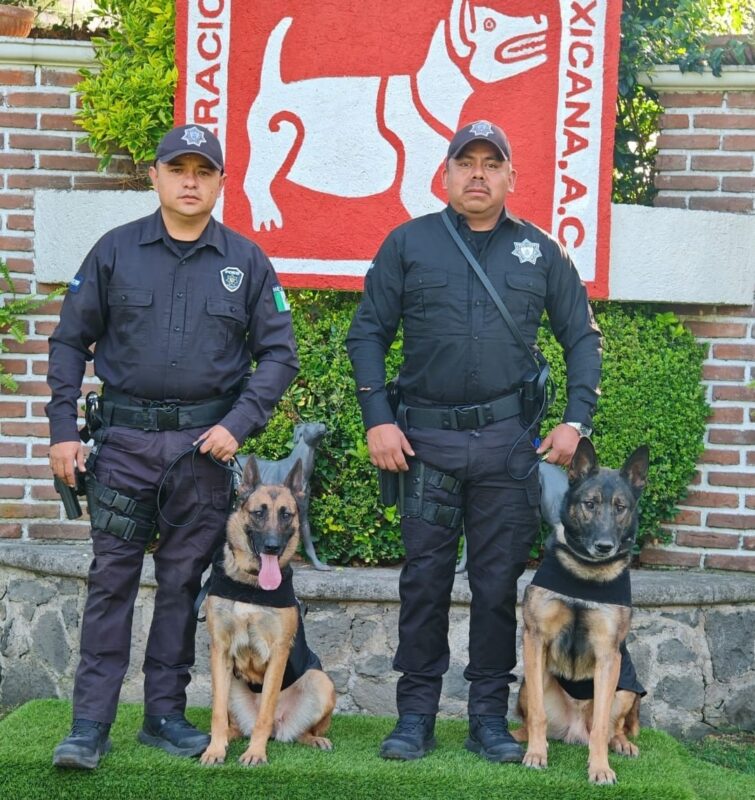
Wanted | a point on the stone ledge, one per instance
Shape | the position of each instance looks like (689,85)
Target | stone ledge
(668,77)
(380,584)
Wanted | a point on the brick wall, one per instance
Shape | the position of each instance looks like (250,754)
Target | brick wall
(706,162)
(41,148)
(715,527)
(706,149)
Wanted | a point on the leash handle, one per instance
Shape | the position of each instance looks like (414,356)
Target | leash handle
(193,450)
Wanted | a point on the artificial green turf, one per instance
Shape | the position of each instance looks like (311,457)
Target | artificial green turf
(352,771)
(735,750)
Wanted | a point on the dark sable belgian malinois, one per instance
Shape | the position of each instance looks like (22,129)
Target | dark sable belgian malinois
(251,643)
(570,638)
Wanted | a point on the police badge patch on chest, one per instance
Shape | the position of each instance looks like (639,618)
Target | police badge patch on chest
(232,278)
(527,251)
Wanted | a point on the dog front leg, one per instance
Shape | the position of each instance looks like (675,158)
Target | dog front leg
(605,679)
(536,721)
(256,753)
(221,670)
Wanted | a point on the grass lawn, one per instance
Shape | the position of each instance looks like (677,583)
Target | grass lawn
(352,771)
(732,750)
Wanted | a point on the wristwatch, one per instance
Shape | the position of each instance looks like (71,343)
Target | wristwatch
(580,428)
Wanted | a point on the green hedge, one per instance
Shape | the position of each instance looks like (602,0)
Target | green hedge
(651,394)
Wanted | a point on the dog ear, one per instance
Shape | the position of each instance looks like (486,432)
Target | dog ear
(635,469)
(251,476)
(584,462)
(295,479)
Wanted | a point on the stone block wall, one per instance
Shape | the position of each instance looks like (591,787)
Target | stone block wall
(691,638)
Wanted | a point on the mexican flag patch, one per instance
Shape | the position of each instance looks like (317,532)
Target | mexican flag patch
(279,296)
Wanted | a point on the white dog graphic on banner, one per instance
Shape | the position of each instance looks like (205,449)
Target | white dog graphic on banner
(327,118)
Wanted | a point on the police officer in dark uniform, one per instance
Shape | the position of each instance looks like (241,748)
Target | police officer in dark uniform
(179,307)
(465,455)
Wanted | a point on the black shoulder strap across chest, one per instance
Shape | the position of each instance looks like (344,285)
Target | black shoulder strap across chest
(478,270)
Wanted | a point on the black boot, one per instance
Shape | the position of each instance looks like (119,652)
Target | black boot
(174,734)
(489,737)
(84,746)
(411,738)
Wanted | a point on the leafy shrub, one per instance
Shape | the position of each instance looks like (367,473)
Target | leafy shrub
(651,395)
(128,103)
(12,309)
(348,523)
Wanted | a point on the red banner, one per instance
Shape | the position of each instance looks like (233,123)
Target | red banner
(336,116)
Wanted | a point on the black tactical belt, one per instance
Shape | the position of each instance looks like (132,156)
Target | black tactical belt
(147,415)
(462,418)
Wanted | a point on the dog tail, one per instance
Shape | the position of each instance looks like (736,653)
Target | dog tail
(270,74)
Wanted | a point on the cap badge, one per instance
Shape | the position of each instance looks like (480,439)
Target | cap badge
(482,129)
(194,137)
(232,278)
(526,251)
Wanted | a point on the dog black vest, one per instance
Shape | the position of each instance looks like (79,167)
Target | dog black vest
(552,575)
(301,658)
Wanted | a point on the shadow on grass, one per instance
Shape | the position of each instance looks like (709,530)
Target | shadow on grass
(352,771)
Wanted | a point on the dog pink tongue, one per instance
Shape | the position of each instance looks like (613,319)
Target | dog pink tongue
(270,573)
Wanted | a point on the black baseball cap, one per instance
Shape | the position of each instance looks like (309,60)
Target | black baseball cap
(190,139)
(480,131)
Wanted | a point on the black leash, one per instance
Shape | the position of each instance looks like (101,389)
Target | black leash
(194,451)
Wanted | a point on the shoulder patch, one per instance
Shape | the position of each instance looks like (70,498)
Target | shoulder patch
(279,296)
(75,284)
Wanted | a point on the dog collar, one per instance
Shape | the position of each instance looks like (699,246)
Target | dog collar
(552,575)
(222,586)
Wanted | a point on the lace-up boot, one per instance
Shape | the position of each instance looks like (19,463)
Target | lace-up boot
(84,746)
(489,737)
(411,738)
(174,734)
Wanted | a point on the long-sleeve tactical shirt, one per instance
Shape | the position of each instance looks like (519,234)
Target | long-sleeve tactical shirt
(457,348)
(173,323)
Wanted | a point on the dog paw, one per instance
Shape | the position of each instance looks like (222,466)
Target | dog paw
(212,755)
(321,743)
(535,760)
(624,747)
(250,758)
(601,775)
(318,742)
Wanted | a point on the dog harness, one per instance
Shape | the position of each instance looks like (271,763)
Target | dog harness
(552,575)
(300,658)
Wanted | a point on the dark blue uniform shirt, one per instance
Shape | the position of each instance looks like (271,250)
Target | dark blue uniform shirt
(172,325)
(457,347)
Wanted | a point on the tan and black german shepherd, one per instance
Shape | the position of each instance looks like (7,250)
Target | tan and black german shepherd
(579,639)
(250,643)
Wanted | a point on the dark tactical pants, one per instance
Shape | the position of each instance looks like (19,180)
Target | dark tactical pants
(134,462)
(501,521)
